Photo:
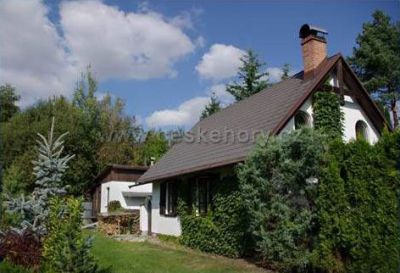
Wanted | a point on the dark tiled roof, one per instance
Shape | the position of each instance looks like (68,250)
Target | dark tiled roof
(268,111)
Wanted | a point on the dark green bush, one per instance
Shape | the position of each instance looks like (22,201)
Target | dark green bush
(6,267)
(114,206)
(222,230)
(357,210)
(278,185)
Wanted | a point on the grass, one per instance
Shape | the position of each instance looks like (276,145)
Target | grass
(146,257)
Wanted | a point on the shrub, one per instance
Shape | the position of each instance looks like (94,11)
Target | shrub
(357,212)
(222,230)
(114,206)
(277,181)
(6,267)
(21,249)
(65,248)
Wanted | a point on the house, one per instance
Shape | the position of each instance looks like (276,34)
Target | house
(280,108)
(114,183)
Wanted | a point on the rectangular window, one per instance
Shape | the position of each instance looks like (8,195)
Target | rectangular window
(168,198)
(203,194)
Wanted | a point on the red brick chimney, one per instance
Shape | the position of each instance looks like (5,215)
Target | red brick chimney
(313,45)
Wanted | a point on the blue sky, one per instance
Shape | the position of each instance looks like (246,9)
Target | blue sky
(179,50)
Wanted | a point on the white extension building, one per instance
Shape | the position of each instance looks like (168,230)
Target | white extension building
(117,183)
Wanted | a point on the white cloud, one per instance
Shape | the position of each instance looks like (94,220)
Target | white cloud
(274,74)
(223,96)
(185,114)
(123,45)
(220,62)
(40,62)
(32,55)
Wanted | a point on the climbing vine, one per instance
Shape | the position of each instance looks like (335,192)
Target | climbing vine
(222,230)
(327,114)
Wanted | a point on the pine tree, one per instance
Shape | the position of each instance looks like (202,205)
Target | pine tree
(211,108)
(251,79)
(48,170)
(285,72)
(376,60)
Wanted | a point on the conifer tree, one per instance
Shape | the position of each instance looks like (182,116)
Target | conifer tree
(212,107)
(376,60)
(48,170)
(285,72)
(251,79)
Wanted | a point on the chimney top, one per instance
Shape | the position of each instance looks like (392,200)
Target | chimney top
(313,43)
(307,30)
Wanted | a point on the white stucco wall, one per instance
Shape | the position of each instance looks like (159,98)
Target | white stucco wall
(306,107)
(159,223)
(116,189)
(144,219)
(352,113)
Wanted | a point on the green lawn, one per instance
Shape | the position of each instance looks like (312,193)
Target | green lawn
(149,257)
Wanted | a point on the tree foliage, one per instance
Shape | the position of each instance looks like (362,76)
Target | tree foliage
(278,184)
(251,78)
(212,107)
(324,206)
(99,134)
(8,100)
(285,72)
(357,210)
(376,59)
(48,170)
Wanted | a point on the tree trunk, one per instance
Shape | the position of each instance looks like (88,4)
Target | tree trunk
(394,113)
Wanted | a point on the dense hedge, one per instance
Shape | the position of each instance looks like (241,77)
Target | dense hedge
(278,186)
(221,231)
(327,114)
(345,220)
(357,202)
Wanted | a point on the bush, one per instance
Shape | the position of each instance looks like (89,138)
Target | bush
(21,249)
(222,230)
(346,222)
(278,185)
(65,248)
(6,267)
(114,206)
(357,212)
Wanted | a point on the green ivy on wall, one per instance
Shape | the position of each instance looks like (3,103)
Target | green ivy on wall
(327,114)
(222,230)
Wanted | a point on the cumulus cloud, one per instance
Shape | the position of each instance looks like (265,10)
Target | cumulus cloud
(274,74)
(123,45)
(32,55)
(223,96)
(41,62)
(220,62)
(185,114)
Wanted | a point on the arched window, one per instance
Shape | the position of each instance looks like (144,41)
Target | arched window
(302,119)
(361,130)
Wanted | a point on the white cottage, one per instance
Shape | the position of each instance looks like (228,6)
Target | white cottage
(280,108)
